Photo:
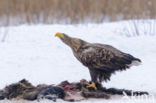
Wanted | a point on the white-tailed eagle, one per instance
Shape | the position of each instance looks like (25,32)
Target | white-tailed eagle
(102,60)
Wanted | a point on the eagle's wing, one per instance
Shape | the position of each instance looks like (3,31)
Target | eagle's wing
(99,56)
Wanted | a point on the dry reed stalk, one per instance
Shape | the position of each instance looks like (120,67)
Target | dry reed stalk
(14,12)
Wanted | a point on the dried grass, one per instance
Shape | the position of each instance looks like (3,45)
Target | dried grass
(14,12)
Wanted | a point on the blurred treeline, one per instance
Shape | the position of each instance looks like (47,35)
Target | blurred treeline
(14,12)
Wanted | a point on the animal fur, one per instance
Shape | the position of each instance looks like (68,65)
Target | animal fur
(67,91)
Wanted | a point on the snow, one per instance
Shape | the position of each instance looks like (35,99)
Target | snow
(34,53)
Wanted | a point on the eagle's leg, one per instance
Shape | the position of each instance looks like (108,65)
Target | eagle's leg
(94,75)
(101,79)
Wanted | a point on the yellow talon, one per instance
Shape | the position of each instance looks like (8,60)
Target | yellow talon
(92,86)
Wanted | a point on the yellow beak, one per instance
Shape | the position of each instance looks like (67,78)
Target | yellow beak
(60,35)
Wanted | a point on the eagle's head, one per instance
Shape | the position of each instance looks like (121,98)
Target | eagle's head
(64,38)
(74,43)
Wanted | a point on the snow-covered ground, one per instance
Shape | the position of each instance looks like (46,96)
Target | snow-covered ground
(34,53)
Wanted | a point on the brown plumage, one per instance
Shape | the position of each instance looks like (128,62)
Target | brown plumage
(102,60)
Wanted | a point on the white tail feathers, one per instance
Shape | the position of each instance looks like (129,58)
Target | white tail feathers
(134,63)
